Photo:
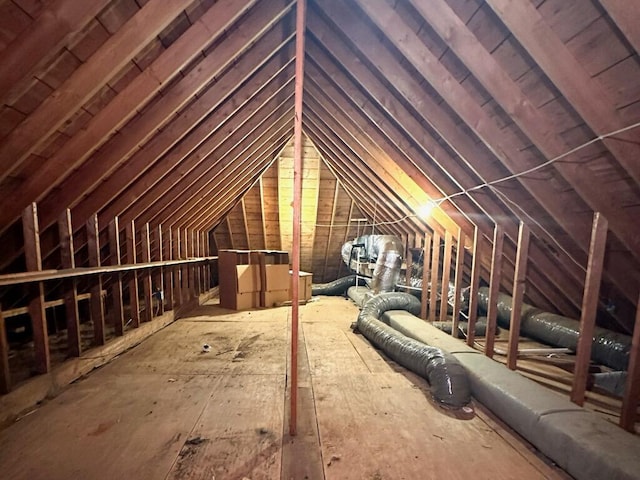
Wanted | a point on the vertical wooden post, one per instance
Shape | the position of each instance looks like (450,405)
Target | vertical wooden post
(168,272)
(197,267)
(97,306)
(408,261)
(446,273)
(37,312)
(116,286)
(193,266)
(520,276)
(184,254)
(5,372)
(426,266)
(177,275)
(147,287)
(476,265)
(459,273)
(159,279)
(435,268)
(134,303)
(207,252)
(67,257)
(494,289)
(589,306)
(297,194)
(631,396)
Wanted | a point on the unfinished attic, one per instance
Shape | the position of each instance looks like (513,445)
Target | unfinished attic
(322,239)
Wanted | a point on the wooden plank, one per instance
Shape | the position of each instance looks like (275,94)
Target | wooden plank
(631,396)
(168,272)
(625,15)
(5,372)
(31,235)
(97,306)
(534,123)
(86,81)
(134,303)
(67,259)
(476,266)
(426,268)
(49,31)
(435,268)
(518,294)
(584,93)
(593,278)
(494,289)
(158,290)
(147,286)
(459,279)
(301,6)
(76,154)
(116,281)
(446,273)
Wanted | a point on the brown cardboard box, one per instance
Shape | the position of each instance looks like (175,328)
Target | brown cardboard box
(304,286)
(273,298)
(248,278)
(245,301)
(275,277)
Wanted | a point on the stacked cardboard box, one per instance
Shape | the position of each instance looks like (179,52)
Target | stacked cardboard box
(274,268)
(240,280)
(253,278)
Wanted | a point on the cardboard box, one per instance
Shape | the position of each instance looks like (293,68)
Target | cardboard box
(304,286)
(274,298)
(248,279)
(275,277)
(245,301)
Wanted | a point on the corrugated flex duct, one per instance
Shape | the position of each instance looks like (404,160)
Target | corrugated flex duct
(337,287)
(608,348)
(447,377)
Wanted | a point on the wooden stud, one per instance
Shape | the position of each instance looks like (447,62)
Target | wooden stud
(67,257)
(426,265)
(457,290)
(5,372)
(134,303)
(631,396)
(177,274)
(168,272)
(37,311)
(147,286)
(297,194)
(494,289)
(589,306)
(184,254)
(476,265)
(435,272)
(159,277)
(446,273)
(116,285)
(97,305)
(408,259)
(199,268)
(522,256)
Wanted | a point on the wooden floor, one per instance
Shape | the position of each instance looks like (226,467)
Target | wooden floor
(166,410)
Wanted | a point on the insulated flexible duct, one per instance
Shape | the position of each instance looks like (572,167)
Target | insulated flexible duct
(447,377)
(608,348)
(386,250)
(337,287)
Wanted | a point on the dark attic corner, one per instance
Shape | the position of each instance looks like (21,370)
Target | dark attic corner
(251,239)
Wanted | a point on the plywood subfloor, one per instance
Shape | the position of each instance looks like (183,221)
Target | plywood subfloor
(165,410)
